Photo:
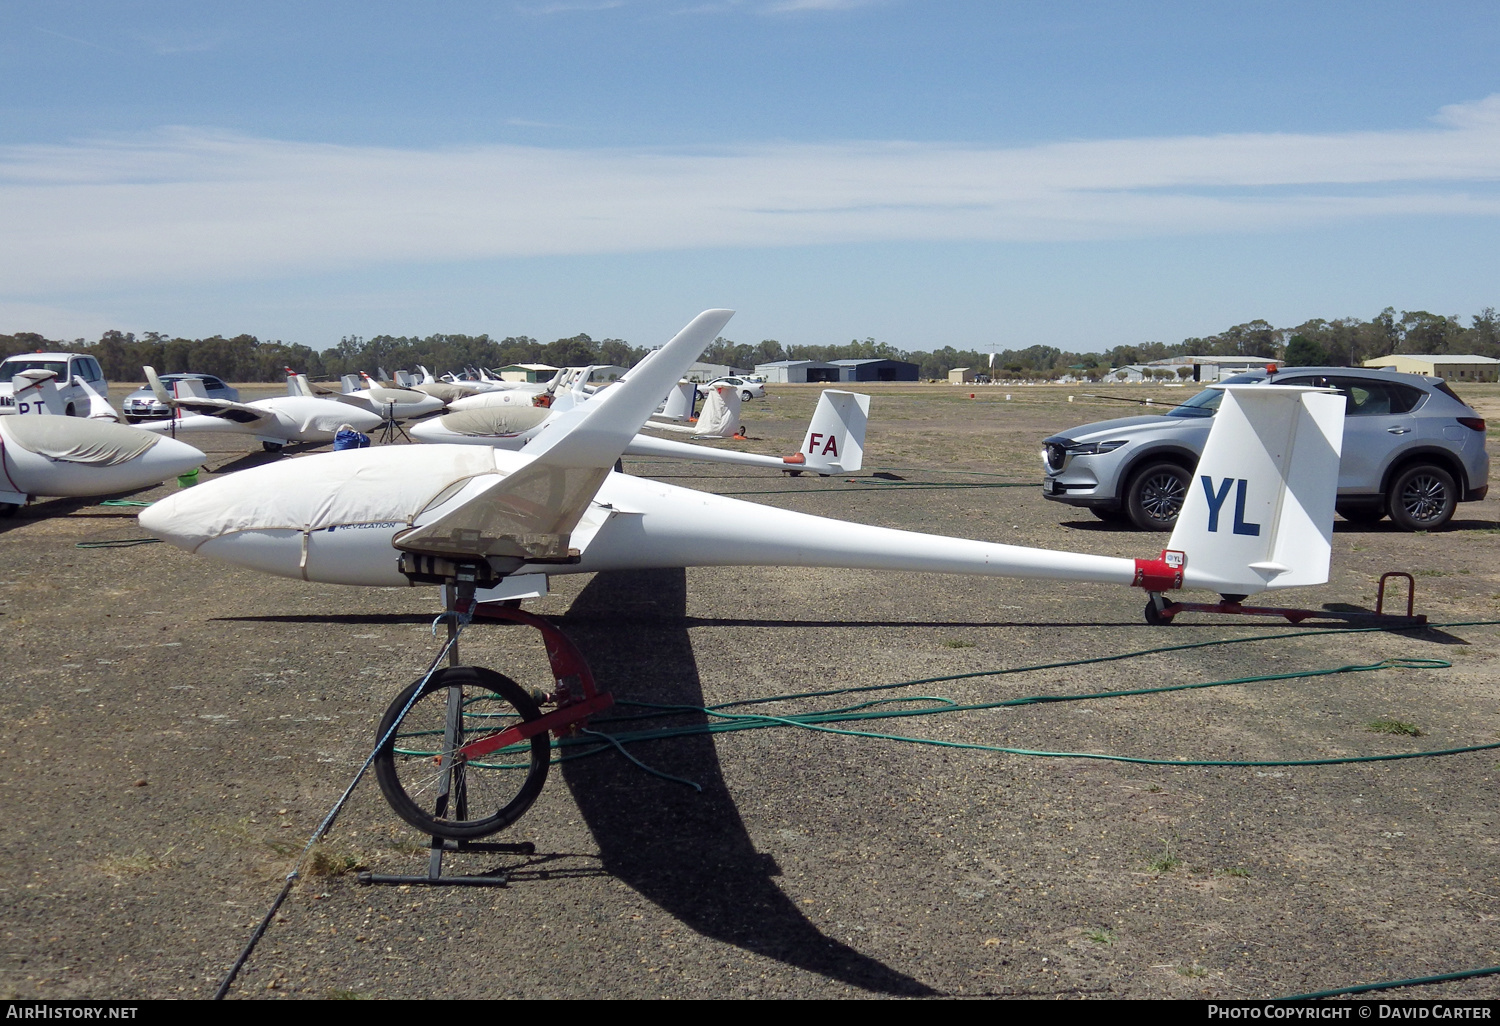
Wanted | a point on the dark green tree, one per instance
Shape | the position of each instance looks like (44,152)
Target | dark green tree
(1302,351)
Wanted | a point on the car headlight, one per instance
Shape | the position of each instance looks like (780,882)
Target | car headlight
(1094,448)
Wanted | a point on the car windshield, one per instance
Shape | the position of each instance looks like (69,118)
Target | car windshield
(10,368)
(1201,405)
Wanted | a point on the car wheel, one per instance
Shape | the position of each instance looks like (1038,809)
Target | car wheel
(71,411)
(271,446)
(1155,496)
(1422,498)
(746,395)
(1362,514)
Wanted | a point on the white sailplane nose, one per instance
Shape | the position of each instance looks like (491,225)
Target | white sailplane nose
(431,431)
(359,419)
(75,457)
(328,517)
(168,458)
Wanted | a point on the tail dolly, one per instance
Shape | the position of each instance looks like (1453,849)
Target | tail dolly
(1158,576)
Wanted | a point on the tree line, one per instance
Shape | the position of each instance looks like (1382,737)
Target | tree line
(1346,341)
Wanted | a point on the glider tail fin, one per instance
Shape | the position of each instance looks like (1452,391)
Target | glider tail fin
(99,407)
(1259,510)
(680,402)
(297,384)
(835,440)
(35,391)
(157,388)
(720,416)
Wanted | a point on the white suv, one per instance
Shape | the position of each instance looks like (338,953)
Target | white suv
(67,367)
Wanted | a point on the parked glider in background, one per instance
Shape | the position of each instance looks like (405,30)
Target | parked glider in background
(834,443)
(389,403)
(43,452)
(718,418)
(530,393)
(1264,520)
(274,422)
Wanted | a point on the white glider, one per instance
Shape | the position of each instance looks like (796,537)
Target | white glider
(43,452)
(833,444)
(274,422)
(388,403)
(1263,520)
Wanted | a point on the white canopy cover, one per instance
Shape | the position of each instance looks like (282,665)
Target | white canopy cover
(74,440)
(311,493)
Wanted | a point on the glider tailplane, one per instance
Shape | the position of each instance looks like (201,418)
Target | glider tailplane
(1259,510)
(190,388)
(835,439)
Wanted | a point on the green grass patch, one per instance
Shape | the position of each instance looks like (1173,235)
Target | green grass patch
(1167,860)
(1393,727)
(325,861)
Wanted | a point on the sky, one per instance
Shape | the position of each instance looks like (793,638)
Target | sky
(986,174)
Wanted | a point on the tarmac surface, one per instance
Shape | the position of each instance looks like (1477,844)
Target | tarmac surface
(174,730)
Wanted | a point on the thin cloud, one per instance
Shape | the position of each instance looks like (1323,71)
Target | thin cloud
(793,6)
(174,42)
(569,6)
(188,205)
(80,42)
(776,6)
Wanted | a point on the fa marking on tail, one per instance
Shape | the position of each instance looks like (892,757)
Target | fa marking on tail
(831,446)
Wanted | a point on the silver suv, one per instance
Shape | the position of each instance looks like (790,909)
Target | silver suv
(1412,450)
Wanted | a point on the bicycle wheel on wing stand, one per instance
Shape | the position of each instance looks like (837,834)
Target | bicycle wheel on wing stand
(432,782)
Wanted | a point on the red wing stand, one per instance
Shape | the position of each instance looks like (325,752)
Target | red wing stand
(576,698)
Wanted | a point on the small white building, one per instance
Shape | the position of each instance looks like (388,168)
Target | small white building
(797,371)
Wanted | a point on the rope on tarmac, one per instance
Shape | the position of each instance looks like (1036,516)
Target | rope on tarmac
(462,620)
(1418,981)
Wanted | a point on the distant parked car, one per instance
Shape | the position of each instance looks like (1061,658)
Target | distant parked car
(749,388)
(142,404)
(67,367)
(1412,451)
